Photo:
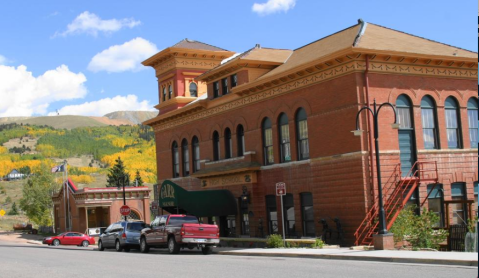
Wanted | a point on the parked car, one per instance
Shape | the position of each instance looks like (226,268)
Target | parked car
(122,235)
(179,231)
(69,238)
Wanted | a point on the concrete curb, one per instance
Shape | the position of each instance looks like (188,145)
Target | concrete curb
(35,242)
(357,258)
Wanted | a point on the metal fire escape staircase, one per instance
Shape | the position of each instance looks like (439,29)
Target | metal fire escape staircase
(396,192)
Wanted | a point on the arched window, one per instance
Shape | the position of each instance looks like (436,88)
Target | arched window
(216,146)
(186,158)
(170,92)
(453,124)
(268,142)
(429,119)
(283,130)
(302,134)
(472,116)
(176,160)
(406,134)
(228,144)
(164,93)
(193,89)
(240,140)
(196,154)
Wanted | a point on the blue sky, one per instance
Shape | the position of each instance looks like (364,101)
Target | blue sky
(83,57)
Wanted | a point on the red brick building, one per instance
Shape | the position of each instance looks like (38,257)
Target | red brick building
(268,115)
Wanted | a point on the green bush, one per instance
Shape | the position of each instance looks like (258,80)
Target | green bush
(418,230)
(318,244)
(274,241)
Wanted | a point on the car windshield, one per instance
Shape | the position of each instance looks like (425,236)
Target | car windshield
(137,226)
(181,220)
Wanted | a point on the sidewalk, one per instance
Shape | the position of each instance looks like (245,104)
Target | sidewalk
(417,257)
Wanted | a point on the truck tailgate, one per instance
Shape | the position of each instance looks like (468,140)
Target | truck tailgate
(200,231)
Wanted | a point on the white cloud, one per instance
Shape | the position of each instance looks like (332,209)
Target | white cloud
(22,94)
(3,60)
(125,57)
(105,106)
(90,23)
(273,6)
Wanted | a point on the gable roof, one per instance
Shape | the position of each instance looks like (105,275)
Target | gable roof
(192,44)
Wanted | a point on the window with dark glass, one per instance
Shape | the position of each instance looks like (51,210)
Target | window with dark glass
(452,124)
(436,202)
(240,140)
(284,143)
(234,80)
(224,86)
(196,154)
(216,146)
(164,93)
(186,158)
(170,92)
(459,211)
(288,215)
(307,214)
(228,144)
(268,142)
(176,160)
(429,119)
(272,214)
(475,197)
(193,89)
(302,134)
(472,119)
(216,89)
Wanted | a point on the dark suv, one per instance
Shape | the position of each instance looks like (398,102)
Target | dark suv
(122,235)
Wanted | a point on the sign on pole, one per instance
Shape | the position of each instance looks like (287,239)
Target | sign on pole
(281,191)
(125,210)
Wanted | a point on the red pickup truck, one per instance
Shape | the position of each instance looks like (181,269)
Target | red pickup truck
(179,231)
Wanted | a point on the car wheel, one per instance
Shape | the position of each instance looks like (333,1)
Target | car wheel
(144,248)
(173,247)
(100,246)
(206,250)
(118,247)
(56,242)
(85,243)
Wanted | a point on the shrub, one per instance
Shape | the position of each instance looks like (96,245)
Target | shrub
(274,241)
(318,244)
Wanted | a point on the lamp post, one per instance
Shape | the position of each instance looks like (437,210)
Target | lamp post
(357,132)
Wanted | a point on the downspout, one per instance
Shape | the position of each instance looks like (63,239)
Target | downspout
(362,29)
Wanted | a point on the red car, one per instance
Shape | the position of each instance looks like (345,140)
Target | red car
(69,238)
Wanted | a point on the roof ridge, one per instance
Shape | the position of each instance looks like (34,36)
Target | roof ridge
(422,37)
(192,41)
(326,37)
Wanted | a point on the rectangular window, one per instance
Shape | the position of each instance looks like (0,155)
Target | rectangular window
(234,80)
(459,211)
(308,214)
(452,129)
(285,145)
(176,166)
(436,202)
(272,214)
(196,161)
(216,89)
(473,130)
(268,146)
(475,197)
(288,215)
(404,117)
(429,128)
(303,143)
(224,85)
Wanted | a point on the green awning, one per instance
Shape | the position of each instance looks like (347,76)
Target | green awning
(205,203)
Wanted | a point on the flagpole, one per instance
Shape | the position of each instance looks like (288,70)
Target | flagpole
(68,195)
(64,201)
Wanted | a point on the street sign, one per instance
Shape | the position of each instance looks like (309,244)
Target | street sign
(2,212)
(125,210)
(280,189)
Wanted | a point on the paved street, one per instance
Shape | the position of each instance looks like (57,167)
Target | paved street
(28,260)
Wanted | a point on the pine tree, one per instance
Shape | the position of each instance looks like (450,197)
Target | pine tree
(13,210)
(118,175)
(138,181)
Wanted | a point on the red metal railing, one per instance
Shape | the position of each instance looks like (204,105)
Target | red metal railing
(397,191)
